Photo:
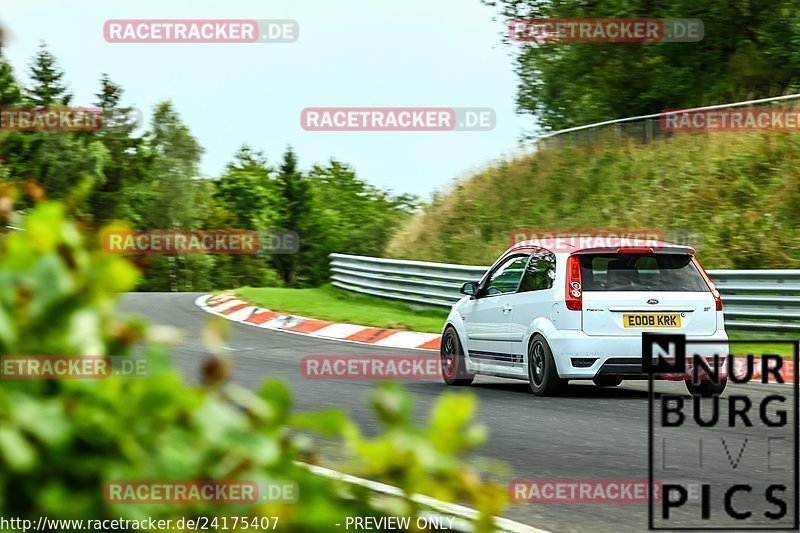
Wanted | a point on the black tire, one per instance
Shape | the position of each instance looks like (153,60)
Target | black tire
(542,373)
(454,371)
(607,381)
(706,389)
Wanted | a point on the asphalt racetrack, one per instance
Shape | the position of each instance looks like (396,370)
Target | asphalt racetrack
(588,433)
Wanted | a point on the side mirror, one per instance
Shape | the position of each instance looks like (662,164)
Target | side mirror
(470,288)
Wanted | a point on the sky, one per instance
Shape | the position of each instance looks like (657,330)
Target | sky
(350,53)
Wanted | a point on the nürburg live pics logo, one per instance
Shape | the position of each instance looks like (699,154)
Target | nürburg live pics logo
(741,445)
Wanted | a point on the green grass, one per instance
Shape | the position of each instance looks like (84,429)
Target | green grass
(783,349)
(330,303)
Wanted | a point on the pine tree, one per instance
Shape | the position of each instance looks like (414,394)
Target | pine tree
(110,93)
(296,201)
(127,166)
(9,90)
(46,75)
(116,118)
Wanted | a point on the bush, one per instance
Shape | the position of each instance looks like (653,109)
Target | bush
(61,441)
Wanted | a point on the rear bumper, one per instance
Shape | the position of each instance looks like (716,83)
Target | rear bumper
(580,356)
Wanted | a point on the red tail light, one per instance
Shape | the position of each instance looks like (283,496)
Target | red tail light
(714,291)
(574,286)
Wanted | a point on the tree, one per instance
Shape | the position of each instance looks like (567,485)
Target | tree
(9,89)
(10,95)
(169,200)
(748,51)
(344,213)
(363,216)
(65,164)
(245,198)
(127,167)
(295,199)
(46,76)
(247,191)
(176,159)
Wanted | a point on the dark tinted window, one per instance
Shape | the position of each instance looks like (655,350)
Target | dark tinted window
(633,272)
(540,272)
(506,277)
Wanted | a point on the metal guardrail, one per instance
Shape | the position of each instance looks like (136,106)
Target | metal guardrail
(643,127)
(759,300)
(418,282)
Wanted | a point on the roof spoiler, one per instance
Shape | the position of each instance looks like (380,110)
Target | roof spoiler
(658,249)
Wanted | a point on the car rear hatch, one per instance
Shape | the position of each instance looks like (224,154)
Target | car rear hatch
(626,292)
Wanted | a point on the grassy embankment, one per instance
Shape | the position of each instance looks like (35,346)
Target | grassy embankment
(740,192)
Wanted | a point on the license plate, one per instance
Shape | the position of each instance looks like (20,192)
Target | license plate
(652,320)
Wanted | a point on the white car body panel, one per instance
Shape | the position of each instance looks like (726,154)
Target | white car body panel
(495,331)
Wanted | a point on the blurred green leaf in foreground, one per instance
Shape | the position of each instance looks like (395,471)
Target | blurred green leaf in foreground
(62,440)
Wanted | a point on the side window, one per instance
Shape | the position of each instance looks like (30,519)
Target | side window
(540,272)
(506,278)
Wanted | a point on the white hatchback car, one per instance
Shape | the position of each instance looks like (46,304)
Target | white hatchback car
(579,313)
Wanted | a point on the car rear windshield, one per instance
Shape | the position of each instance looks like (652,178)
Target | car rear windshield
(635,272)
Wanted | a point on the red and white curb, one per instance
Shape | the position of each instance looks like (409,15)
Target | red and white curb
(231,308)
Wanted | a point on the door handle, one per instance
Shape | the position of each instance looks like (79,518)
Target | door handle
(507,309)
